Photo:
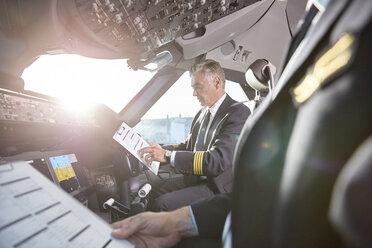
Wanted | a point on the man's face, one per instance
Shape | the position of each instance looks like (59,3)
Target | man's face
(205,92)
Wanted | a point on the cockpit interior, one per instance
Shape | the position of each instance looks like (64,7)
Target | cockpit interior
(160,38)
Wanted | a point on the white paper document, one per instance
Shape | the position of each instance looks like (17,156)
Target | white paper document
(132,141)
(36,213)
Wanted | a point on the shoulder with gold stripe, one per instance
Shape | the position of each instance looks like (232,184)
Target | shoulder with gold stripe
(330,63)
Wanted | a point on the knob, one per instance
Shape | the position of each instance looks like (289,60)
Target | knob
(142,30)
(118,19)
(136,20)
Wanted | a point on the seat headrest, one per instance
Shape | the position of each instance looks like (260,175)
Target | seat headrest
(256,75)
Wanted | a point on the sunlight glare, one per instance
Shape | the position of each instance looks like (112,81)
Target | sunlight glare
(79,81)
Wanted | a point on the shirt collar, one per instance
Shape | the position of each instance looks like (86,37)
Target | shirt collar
(217,105)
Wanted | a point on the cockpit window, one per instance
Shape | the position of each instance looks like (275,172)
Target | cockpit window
(81,81)
(172,114)
(179,100)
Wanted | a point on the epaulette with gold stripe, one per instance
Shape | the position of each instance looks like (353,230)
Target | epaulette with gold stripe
(331,62)
(198,163)
(175,146)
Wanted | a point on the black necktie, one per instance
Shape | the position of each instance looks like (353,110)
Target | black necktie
(203,129)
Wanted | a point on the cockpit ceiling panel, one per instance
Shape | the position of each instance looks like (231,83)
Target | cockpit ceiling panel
(139,27)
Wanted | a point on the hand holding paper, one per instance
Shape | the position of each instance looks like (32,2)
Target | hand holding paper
(154,152)
(133,142)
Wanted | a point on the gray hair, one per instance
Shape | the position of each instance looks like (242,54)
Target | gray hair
(211,69)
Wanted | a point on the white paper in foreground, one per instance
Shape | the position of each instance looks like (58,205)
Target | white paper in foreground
(132,141)
(36,213)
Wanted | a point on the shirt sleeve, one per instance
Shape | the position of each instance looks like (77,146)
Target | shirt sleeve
(193,220)
(173,158)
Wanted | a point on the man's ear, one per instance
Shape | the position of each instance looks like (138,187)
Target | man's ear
(217,82)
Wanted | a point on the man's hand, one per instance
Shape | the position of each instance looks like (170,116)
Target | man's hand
(154,152)
(149,229)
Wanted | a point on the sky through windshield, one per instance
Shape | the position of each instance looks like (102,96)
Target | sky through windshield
(81,81)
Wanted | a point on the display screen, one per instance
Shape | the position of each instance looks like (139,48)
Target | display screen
(64,171)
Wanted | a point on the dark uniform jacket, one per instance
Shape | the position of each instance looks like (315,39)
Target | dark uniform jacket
(292,150)
(215,159)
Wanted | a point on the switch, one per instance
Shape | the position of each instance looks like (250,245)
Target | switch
(95,7)
(111,7)
(137,20)
(118,19)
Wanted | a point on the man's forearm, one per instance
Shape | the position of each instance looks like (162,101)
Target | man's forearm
(183,222)
(150,229)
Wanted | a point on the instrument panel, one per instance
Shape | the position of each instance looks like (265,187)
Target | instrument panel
(61,167)
(22,108)
(143,26)
(31,123)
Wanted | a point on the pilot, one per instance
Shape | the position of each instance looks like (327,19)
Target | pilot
(205,158)
(292,150)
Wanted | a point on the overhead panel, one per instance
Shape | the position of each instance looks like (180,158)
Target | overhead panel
(140,26)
